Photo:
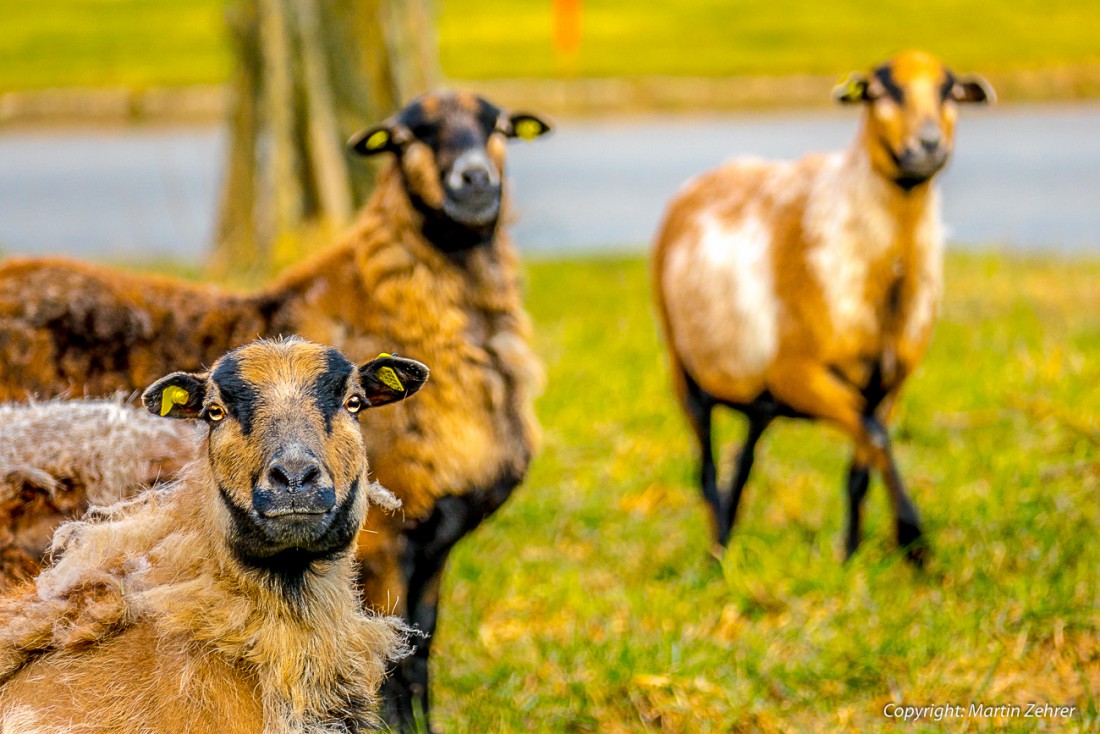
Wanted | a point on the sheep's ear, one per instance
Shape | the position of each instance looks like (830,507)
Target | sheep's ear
(852,90)
(388,378)
(525,125)
(973,88)
(178,395)
(374,140)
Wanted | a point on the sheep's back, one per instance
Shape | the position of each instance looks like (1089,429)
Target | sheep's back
(70,328)
(719,278)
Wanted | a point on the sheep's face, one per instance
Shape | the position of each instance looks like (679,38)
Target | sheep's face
(285,449)
(450,148)
(911,110)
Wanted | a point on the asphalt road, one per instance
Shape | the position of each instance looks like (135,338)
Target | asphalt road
(1023,179)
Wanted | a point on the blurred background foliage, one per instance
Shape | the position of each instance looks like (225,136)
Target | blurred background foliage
(144,43)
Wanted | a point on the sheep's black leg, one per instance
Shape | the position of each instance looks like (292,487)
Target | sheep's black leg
(699,406)
(758,422)
(859,478)
(906,519)
(406,691)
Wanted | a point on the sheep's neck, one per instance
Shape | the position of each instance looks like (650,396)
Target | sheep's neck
(913,211)
(487,269)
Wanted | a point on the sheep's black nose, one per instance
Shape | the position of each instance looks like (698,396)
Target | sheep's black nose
(472,174)
(477,177)
(930,137)
(293,473)
(294,483)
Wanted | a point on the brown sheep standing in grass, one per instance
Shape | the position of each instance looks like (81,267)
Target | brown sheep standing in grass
(810,288)
(427,271)
(223,603)
(104,452)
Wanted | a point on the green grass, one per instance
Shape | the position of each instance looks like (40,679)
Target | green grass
(106,43)
(590,603)
(502,38)
(141,43)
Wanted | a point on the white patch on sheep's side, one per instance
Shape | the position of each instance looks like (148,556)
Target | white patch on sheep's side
(721,296)
(848,227)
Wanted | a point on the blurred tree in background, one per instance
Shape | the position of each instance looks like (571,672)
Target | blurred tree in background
(309,73)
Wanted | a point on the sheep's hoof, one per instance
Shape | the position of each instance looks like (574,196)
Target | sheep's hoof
(849,552)
(716,551)
(912,541)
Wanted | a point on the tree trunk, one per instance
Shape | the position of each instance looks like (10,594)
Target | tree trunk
(309,73)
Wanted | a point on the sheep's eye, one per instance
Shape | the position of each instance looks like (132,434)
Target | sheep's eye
(354,404)
(215,413)
(426,134)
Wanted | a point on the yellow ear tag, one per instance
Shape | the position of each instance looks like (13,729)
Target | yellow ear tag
(528,129)
(853,88)
(172,395)
(388,377)
(378,139)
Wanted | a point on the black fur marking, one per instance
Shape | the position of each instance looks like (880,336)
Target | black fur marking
(947,87)
(488,116)
(885,76)
(890,151)
(252,544)
(423,129)
(445,233)
(908,183)
(239,395)
(766,406)
(426,551)
(859,479)
(355,713)
(761,411)
(746,456)
(329,389)
(905,182)
(893,299)
(699,405)
(875,391)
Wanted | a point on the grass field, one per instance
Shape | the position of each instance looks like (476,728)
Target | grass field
(142,43)
(589,603)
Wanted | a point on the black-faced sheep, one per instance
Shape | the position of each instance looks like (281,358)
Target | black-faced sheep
(810,288)
(224,602)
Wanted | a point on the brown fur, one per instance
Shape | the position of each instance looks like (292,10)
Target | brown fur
(90,330)
(151,620)
(815,283)
(59,457)
(67,327)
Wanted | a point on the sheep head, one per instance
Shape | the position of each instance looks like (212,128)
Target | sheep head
(285,449)
(450,149)
(911,99)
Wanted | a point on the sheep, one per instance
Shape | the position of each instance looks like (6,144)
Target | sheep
(427,270)
(223,602)
(107,452)
(809,288)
